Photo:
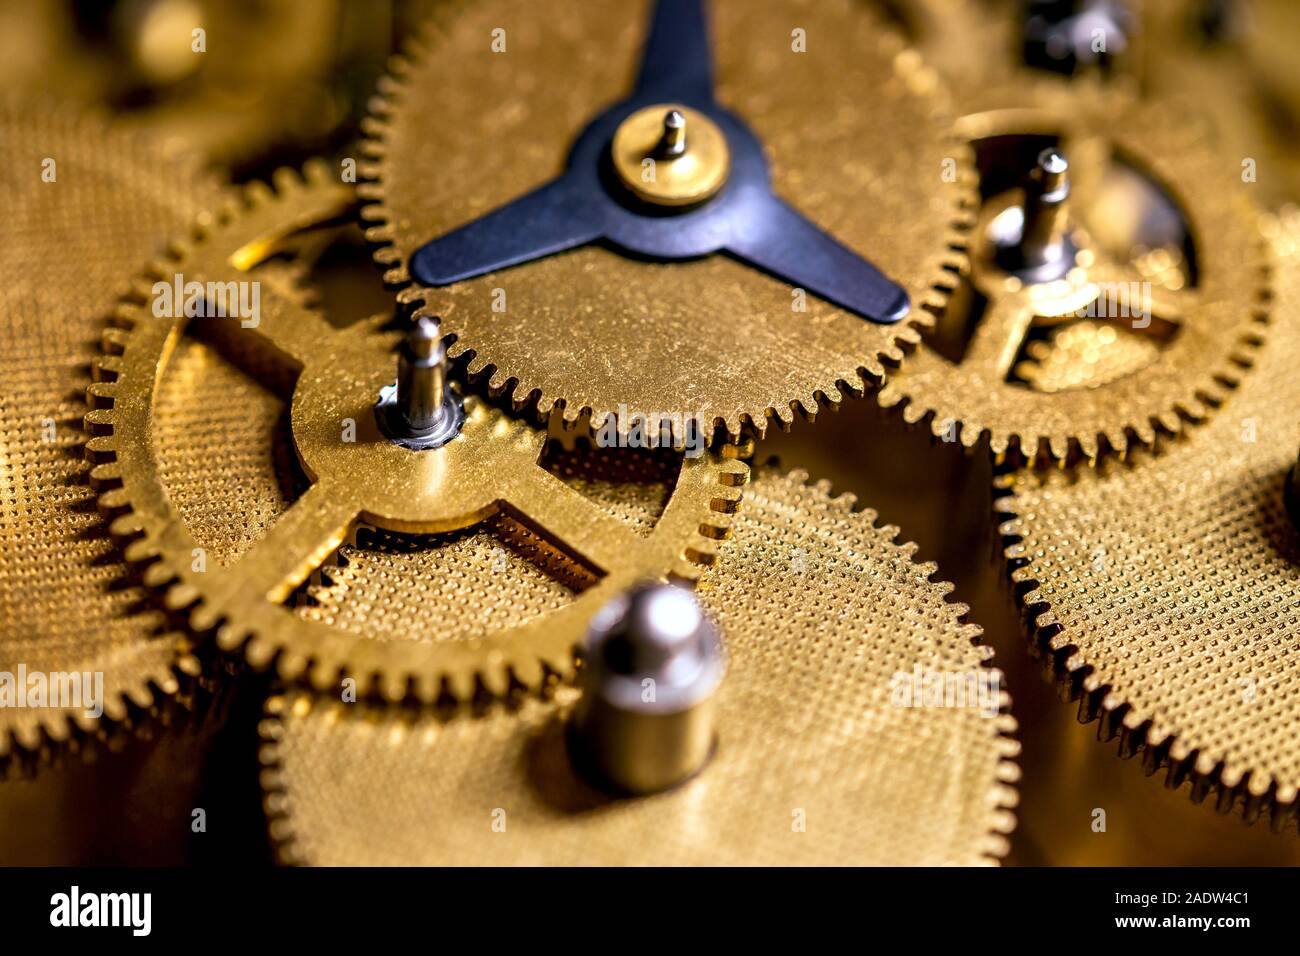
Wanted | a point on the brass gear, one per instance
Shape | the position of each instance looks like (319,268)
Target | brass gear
(85,205)
(1210,325)
(1168,588)
(912,785)
(590,330)
(491,468)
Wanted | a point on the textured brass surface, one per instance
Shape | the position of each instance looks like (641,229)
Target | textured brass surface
(356,475)
(690,178)
(64,603)
(804,581)
(711,338)
(1169,587)
(1218,321)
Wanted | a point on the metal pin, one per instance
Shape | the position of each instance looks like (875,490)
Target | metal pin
(422,376)
(673,142)
(1046,205)
(1042,250)
(651,667)
(419,411)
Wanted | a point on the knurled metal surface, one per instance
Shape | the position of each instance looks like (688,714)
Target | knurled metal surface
(820,609)
(1170,585)
(494,576)
(70,246)
(1085,355)
(220,437)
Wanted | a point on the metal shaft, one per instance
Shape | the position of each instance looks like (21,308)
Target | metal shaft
(1046,208)
(422,376)
(673,142)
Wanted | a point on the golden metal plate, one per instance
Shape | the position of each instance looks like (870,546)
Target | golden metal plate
(86,206)
(1169,587)
(858,138)
(820,609)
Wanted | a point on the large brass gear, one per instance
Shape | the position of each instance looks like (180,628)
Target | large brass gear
(1208,317)
(913,785)
(1168,588)
(86,204)
(491,468)
(591,330)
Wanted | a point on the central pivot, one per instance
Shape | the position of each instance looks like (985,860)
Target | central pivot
(420,411)
(670,155)
(1034,241)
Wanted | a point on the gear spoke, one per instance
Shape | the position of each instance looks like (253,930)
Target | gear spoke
(777,238)
(676,61)
(582,528)
(304,536)
(555,217)
(999,336)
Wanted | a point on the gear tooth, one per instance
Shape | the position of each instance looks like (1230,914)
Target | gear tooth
(126,525)
(157,574)
(113,339)
(529,672)
(460,685)
(114,498)
(325,677)
(285,179)
(316,171)
(371,192)
(99,416)
(495,679)
(259,652)
(105,473)
(258,193)
(373,128)
(890,395)
(141,549)
(181,596)
(1059,446)
(702,552)
(291,665)
(101,392)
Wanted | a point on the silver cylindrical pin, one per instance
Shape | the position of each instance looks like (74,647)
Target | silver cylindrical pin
(673,142)
(422,375)
(652,664)
(1046,210)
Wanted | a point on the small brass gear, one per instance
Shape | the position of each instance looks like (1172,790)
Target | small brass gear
(1167,588)
(86,204)
(352,476)
(1204,318)
(590,330)
(821,612)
